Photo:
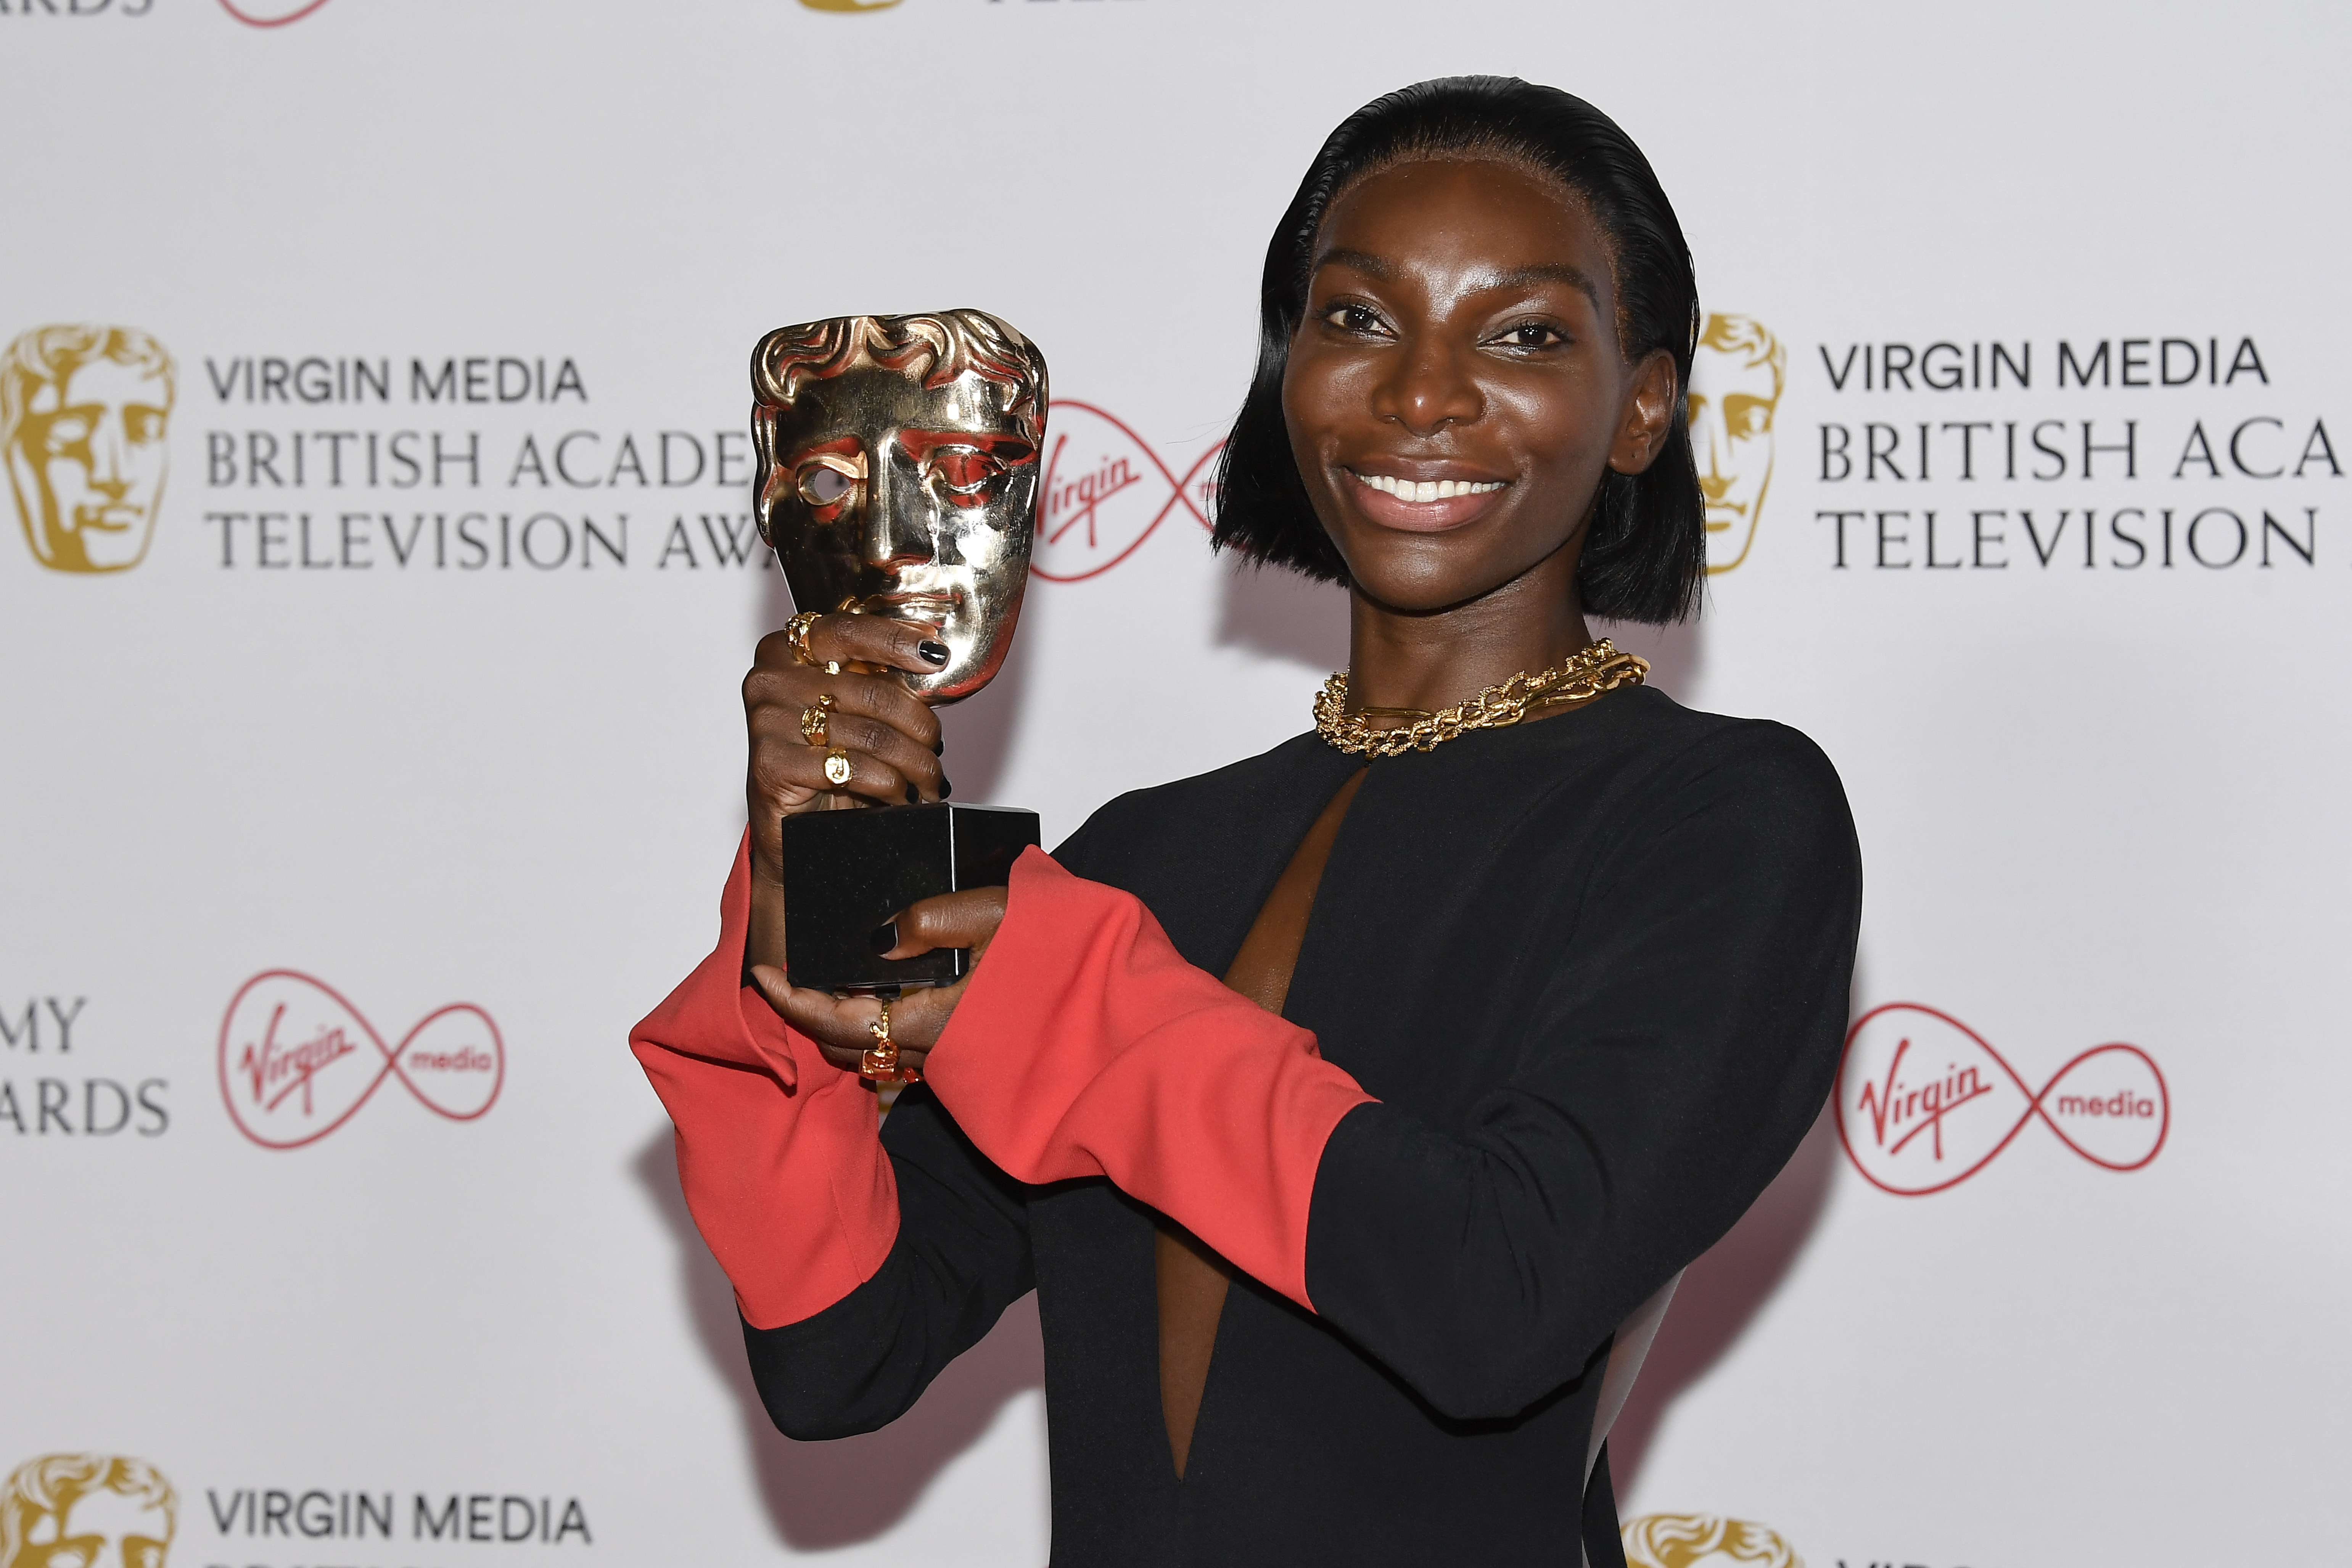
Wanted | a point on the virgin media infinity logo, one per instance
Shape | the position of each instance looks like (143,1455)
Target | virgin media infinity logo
(1105,491)
(296,1061)
(270,13)
(1923,1103)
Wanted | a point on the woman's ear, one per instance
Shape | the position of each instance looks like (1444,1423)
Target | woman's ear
(1649,415)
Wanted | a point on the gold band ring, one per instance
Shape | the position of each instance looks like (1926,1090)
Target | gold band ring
(813,720)
(836,766)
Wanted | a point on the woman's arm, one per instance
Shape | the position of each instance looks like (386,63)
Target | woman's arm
(776,1151)
(1684,1044)
(859,1269)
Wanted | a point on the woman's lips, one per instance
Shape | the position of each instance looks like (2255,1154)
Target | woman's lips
(1396,502)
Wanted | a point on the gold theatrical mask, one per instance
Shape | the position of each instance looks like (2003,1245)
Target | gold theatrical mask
(899,475)
(83,413)
(1735,380)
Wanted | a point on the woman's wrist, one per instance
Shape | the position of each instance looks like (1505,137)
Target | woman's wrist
(763,930)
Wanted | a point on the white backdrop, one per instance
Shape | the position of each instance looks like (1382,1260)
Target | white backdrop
(442,744)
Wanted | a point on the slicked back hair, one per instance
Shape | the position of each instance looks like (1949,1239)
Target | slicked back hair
(1646,553)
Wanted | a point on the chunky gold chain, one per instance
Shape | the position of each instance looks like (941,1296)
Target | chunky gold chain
(1582,676)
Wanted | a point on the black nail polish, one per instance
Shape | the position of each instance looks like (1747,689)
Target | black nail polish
(940,746)
(913,794)
(936,652)
(946,789)
(885,937)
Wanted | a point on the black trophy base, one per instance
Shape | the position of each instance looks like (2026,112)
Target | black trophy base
(846,872)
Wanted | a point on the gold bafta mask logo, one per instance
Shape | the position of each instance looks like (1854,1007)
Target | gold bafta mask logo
(1699,1541)
(86,1511)
(83,411)
(1736,379)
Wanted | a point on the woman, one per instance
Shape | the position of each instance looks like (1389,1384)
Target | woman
(1513,1024)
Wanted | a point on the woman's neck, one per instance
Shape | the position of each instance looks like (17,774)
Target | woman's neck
(1432,659)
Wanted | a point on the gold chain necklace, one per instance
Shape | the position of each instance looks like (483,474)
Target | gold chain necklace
(1580,677)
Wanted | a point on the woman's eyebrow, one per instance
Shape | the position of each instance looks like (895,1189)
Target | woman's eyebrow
(1519,278)
(1548,272)
(1362,261)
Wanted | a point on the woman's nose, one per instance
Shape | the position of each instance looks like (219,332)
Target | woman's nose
(1430,388)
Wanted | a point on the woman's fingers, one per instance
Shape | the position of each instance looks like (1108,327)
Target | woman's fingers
(780,681)
(845,638)
(842,1027)
(877,639)
(882,760)
(798,713)
(789,773)
(968,919)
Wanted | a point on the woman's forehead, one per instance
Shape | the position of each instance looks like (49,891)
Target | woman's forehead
(1507,217)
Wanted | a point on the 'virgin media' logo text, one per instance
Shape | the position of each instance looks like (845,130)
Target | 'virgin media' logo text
(296,1061)
(1924,1102)
(1107,491)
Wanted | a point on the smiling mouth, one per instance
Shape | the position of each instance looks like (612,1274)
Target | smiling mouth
(1423,491)
(1424,506)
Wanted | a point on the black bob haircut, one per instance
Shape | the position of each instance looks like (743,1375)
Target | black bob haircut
(1647,552)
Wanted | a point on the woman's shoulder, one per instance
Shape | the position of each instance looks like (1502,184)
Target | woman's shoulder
(1666,743)
(1768,776)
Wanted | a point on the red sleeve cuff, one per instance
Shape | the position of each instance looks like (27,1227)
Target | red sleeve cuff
(1085,1045)
(777,1149)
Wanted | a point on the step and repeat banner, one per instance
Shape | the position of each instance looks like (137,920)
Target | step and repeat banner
(380,572)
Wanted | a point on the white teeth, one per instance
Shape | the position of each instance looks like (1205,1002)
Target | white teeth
(1428,489)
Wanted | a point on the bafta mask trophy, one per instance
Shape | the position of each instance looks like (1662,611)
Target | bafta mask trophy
(898,476)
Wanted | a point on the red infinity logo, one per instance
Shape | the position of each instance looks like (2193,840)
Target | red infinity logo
(1924,1102)
(1101,500)
(296,15)
(292,1070)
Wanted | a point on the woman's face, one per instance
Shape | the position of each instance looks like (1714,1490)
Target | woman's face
(1455,389)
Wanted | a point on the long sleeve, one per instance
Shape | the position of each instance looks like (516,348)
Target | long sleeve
(1676,1054)
(1675,1030)
(1087,1047)
(776,1148)
(861,1264)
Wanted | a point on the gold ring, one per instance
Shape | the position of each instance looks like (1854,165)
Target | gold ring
(813,720)
(880,1063)
(796,632)
(836,766)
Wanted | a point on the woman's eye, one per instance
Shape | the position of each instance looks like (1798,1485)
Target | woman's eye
(821,484)
(1532,336)
(1352,318)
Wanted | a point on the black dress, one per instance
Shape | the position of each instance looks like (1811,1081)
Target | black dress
(1594,968)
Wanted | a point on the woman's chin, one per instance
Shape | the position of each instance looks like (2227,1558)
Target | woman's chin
(1418,573)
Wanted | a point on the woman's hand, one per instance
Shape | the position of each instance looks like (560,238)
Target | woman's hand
(842,1029)
(889,736)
